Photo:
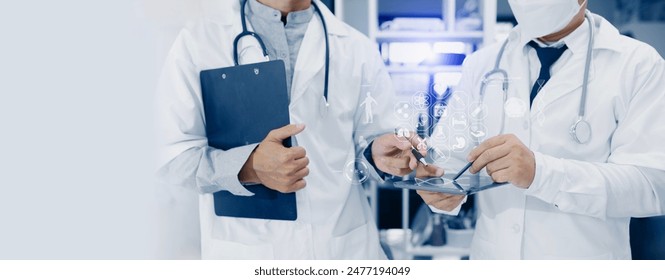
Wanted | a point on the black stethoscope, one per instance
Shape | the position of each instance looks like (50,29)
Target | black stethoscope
(245,32)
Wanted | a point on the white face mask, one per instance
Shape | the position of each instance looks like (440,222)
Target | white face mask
(538,18)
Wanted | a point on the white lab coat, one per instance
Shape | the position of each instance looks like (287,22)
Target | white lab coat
(580,203)
(334,217)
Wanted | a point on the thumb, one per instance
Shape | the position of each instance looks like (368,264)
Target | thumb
(285,132)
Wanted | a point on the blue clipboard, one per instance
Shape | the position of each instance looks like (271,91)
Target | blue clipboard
(242,105)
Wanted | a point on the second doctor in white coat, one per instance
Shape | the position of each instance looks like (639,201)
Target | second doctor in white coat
(334,219)
(566,200)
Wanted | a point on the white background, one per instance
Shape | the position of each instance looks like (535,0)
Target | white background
(77,79)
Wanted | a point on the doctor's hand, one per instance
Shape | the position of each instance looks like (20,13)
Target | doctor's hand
(506,159)
(441,201)
(393,155)
(275,166)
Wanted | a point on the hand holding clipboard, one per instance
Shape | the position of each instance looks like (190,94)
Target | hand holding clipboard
(244,104)
(275,166)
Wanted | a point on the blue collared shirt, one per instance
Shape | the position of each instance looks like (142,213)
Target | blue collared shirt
(282,39)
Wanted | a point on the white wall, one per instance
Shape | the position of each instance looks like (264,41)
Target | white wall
(77,79)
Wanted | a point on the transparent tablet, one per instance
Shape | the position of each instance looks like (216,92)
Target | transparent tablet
(465,185)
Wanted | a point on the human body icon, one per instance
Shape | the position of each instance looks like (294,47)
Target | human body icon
(369,102)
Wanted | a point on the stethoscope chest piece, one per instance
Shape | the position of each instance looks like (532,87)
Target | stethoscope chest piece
(581,131)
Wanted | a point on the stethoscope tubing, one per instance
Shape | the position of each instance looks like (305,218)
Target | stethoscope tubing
(574,130)
(256,36)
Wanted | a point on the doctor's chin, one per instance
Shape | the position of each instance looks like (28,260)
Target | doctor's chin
(432,130)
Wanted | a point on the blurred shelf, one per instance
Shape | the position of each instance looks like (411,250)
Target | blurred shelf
(424,36)
(423,69)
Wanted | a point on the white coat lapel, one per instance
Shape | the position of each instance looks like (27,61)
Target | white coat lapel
(516,108)
(516,64)
(311,59)
(568,80)
(571,79)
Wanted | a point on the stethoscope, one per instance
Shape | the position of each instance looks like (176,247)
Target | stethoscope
(580,131)
(245,32)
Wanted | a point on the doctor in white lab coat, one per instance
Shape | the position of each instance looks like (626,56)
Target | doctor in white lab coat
(565,200)
(334,219)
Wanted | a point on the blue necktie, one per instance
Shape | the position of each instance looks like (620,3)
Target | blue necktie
(547,57)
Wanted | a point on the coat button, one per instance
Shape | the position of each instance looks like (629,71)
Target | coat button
(516,228)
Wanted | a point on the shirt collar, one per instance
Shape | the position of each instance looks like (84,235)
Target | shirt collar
(270,14)
(227,13)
